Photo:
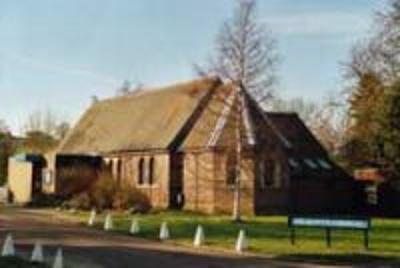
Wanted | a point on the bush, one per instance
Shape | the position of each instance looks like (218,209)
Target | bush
(106,193)
(128,197)
(81,201)
(76,180)
(103,191)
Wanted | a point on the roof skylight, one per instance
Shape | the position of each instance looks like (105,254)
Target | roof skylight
(324,164)
(310,163)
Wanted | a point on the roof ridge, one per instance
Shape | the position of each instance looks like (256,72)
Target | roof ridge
(156,89)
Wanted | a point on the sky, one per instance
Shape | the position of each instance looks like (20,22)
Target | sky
(56,54)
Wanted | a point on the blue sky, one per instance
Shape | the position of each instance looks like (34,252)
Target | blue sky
(56,54)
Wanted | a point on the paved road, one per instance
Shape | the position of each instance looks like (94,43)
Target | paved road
(89,248)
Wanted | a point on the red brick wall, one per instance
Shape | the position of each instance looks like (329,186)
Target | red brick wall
(158,192)
(198,182)
(207,171)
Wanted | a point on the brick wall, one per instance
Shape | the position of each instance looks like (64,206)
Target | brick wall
(198,182)
(158,192)
(206,188)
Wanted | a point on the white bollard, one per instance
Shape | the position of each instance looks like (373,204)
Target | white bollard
(199,237)
(164,232)
(108,224)
(135,228)
(241,243)
(8,246)
(37,253)
(92,217)
(58,260)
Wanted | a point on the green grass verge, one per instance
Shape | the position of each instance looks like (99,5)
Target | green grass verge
(268,235)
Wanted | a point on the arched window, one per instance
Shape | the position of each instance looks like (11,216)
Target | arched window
(151,171)
(119,170)
(231,169)
(141,171)
(269,168)
(272,174)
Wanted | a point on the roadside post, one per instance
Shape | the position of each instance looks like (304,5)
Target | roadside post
(330,224)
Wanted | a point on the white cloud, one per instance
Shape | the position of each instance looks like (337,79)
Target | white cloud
(320,23)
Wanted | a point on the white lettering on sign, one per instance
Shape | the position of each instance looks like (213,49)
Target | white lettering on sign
(334,223)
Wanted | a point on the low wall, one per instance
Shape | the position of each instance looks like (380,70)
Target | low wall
(20,181)
(3,195)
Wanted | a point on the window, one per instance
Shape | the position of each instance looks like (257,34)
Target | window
(261,173)
(151,171)
(277,175)
(293,163)
(141,171)
(310,163)
(324,164)
(231,169)
(272,174)
(268,173)
(119,170)
(108,165)
(48,176)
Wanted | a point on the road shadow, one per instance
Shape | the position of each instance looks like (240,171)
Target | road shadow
(359,260)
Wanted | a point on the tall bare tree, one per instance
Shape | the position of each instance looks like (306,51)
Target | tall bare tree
(326,119)
(46,122)
(245,55)
(245,52)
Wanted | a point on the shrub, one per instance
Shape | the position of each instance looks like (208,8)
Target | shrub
(76,180)
(103,191)
(45,200)
(80,201)
(128,197)
(106,193)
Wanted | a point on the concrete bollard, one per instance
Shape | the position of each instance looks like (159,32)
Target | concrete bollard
(8,246)
(164,232)
(199,237)
(135,228)
(92,218)
(58,260)
(108,224)
(37,253)
(241,243)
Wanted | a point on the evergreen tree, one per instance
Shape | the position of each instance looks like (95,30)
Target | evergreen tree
(390,131)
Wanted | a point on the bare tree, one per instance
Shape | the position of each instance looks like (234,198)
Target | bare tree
(125,88)
(307,110)
(128,88)
(327,119)
(46,122)
(245,56)
(245,53)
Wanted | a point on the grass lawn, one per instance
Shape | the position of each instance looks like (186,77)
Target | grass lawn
(14,262)
(268,235)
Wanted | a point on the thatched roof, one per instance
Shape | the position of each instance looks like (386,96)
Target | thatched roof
(150,119)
